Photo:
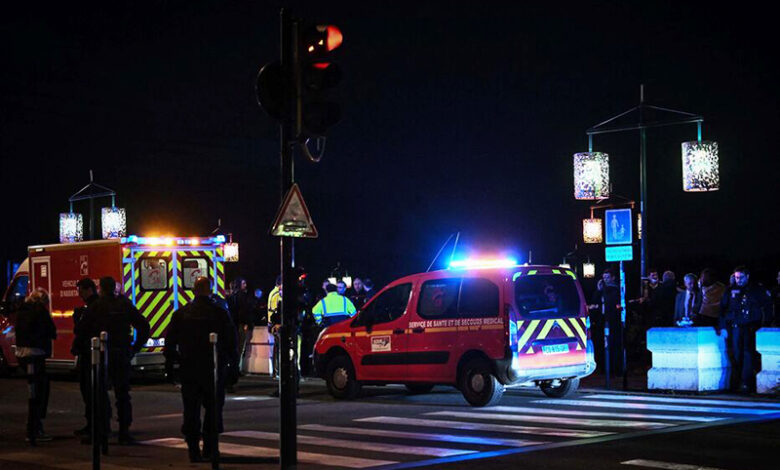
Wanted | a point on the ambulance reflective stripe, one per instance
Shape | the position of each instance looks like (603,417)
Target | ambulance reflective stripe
(578,327)
(529,330)
(155,305)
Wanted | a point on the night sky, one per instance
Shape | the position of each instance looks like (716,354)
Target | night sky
(458,116)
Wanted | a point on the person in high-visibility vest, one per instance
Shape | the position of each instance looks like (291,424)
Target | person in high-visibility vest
(333,308)
(274,321)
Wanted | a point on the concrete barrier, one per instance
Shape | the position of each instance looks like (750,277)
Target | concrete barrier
(768,345)
(692,359)
(260,351)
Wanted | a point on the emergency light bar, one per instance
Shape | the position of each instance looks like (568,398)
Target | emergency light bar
(171,241)
(482,263)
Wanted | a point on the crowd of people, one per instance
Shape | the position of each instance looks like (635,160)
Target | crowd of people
(736,310)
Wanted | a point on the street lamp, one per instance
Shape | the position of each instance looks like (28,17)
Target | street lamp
(700,166)
(114,222)
(71,227)
(700,158)
(592,230)
(591,175)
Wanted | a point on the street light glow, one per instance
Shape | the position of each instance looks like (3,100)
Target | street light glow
(700,166)
(591,175)
(592,231)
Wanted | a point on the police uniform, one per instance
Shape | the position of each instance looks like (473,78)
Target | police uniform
(333,308)
(116,315)
(187,342)
(743,309)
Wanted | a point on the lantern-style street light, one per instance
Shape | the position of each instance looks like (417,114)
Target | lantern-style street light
(113,219)
(699,160)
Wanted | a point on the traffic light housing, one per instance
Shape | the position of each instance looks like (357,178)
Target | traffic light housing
(319,76)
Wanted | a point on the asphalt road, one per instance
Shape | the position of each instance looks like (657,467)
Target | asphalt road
(389,429)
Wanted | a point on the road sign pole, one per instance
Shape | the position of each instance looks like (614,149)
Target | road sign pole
(623,324)
(287,384)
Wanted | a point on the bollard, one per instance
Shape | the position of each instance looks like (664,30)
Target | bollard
(32,409)
(105,418)
(95,350)
(215,398)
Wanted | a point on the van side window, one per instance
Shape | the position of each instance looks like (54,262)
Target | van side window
(192,269)
(478,298)
(439,298)
(389,305)
(154,274)
(546,296)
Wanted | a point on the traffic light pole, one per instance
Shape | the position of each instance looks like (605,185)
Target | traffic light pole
(287,332)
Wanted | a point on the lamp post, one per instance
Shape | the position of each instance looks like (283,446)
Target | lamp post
(113,218)
(700,158)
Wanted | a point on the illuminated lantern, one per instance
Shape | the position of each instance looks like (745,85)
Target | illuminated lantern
(700,166)
(113,222)
(332,280)
(347,280)
(231,252)
(588,270)
(591,175)
(564,265)
(71,227)
(592,231)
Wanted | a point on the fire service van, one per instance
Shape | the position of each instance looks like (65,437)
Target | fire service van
(156,273)
(478,326)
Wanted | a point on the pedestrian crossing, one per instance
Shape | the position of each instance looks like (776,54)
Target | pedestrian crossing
(413,437)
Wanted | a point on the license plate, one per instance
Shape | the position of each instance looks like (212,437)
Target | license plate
(555,349)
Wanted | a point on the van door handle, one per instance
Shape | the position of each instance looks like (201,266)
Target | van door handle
(398,331)
(419,329)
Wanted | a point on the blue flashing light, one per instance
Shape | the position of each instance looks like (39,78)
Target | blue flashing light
(132,239)
(482,263)
(219,239)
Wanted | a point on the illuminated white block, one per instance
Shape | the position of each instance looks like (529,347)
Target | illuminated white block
(768,345)
(693,359)
(260,352)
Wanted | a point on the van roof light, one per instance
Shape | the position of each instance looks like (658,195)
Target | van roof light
(482,263)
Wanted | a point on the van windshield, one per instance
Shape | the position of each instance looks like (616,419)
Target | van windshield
(546,296)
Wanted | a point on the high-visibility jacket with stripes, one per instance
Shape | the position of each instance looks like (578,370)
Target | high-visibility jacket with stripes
(273,301)
(333,305)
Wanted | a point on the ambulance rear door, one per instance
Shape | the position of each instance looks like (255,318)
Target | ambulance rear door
(152,290)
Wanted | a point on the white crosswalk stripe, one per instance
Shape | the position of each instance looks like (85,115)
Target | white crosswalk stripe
(666,465)
(603,423)
(420,436)
(690,401)
(560,412)
(469,432)
(268,452)
(468,426)
(655,406)
(360,445)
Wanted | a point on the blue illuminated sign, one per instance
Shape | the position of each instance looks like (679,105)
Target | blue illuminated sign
(619,253)
(618,227)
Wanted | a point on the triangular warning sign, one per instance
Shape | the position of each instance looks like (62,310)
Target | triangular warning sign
(293,218)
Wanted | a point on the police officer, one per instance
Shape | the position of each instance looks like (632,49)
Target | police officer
(187,342)
(80,348)
(115,314)
(333,307)
(743,308)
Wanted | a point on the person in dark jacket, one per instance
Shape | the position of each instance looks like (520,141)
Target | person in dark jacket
(688,302)
(81,349)
(241,308)
(743,309)
(187,342)
(661,304)
(606,298)
(35,331)
(115,314)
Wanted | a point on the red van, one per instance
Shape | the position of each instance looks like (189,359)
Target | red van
(478,328)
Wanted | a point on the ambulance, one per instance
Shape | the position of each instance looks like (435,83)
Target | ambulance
(156,273)
(479,325)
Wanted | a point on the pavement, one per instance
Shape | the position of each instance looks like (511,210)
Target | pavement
(386,428)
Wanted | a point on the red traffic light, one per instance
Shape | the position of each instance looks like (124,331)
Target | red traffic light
(318,40)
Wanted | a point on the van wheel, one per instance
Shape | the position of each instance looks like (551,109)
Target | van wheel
(559,388)
(340,378)
(478,384)
(419,389)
